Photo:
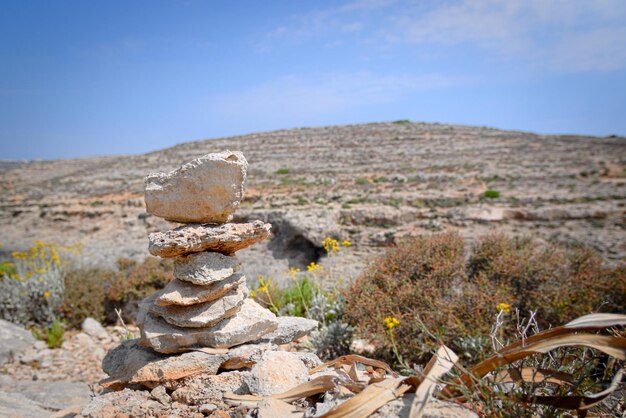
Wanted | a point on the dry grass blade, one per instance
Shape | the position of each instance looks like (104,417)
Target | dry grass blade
(600,320)
(316,386)
(532,375)
(580,403)
(613,346)
(352,358)
(548,340)
(441,363)
(369,400)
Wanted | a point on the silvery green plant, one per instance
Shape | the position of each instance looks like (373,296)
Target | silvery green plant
(332,337)
(32,290)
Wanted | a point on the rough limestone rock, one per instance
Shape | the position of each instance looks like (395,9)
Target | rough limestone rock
(205,268)
(13,340)
(290,328)
(277,372)
(130,363)
(178,292)
(18,405)
(249,324)
(205,190)
(204,314)
(53,396)
(93,328)
(206,388)
(129,403)
(225,239)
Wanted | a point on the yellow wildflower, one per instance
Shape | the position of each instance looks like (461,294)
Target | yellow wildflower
(504,307)
(46,294)
(293,271)
(313,266)
(346,243)
(391,322)
(330,245)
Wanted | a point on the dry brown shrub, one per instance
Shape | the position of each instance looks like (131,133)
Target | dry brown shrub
(97,292)
(430,282)
(134,282)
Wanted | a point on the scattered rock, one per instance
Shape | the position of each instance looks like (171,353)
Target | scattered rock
(205,267)
(13,340)
(17,405)
(225,239)
(207,408)
(207,189)
(69,412)
(160,394)
(277,372)
(50,396)
(290,328)
(125,403)
(208,388)
(310,360)
(94,329)
(203,315)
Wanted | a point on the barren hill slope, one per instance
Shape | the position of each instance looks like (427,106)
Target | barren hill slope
(370,184)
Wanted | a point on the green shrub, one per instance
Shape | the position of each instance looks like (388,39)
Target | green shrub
(437,293)
(361,181)
(282,171)
(491,194)
(401,121)
(55,334)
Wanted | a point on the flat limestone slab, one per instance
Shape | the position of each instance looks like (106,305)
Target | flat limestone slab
(180,293)
(225,239)
(205,267)
(249,324)
(130,363)
(290,328)
(133,364)
(205,190)
(204,314)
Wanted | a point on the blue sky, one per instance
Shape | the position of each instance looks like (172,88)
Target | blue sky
(81,78)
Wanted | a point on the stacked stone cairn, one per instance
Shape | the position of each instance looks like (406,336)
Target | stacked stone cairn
(203,320)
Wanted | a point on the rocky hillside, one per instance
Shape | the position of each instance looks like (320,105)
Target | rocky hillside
(370,184)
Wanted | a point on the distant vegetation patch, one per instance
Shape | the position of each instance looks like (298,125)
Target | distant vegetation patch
(402,121)
(491,194)
(282,171)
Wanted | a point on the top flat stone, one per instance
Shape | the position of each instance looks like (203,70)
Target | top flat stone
(225,239)
(205,190)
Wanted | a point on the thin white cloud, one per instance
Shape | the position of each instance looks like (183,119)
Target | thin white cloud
(563,35)
(299,98)
(557,35)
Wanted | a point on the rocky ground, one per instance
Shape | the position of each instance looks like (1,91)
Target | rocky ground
(69,381)
(370,184)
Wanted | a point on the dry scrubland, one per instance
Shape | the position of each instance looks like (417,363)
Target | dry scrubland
(458,235)
(370,184)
